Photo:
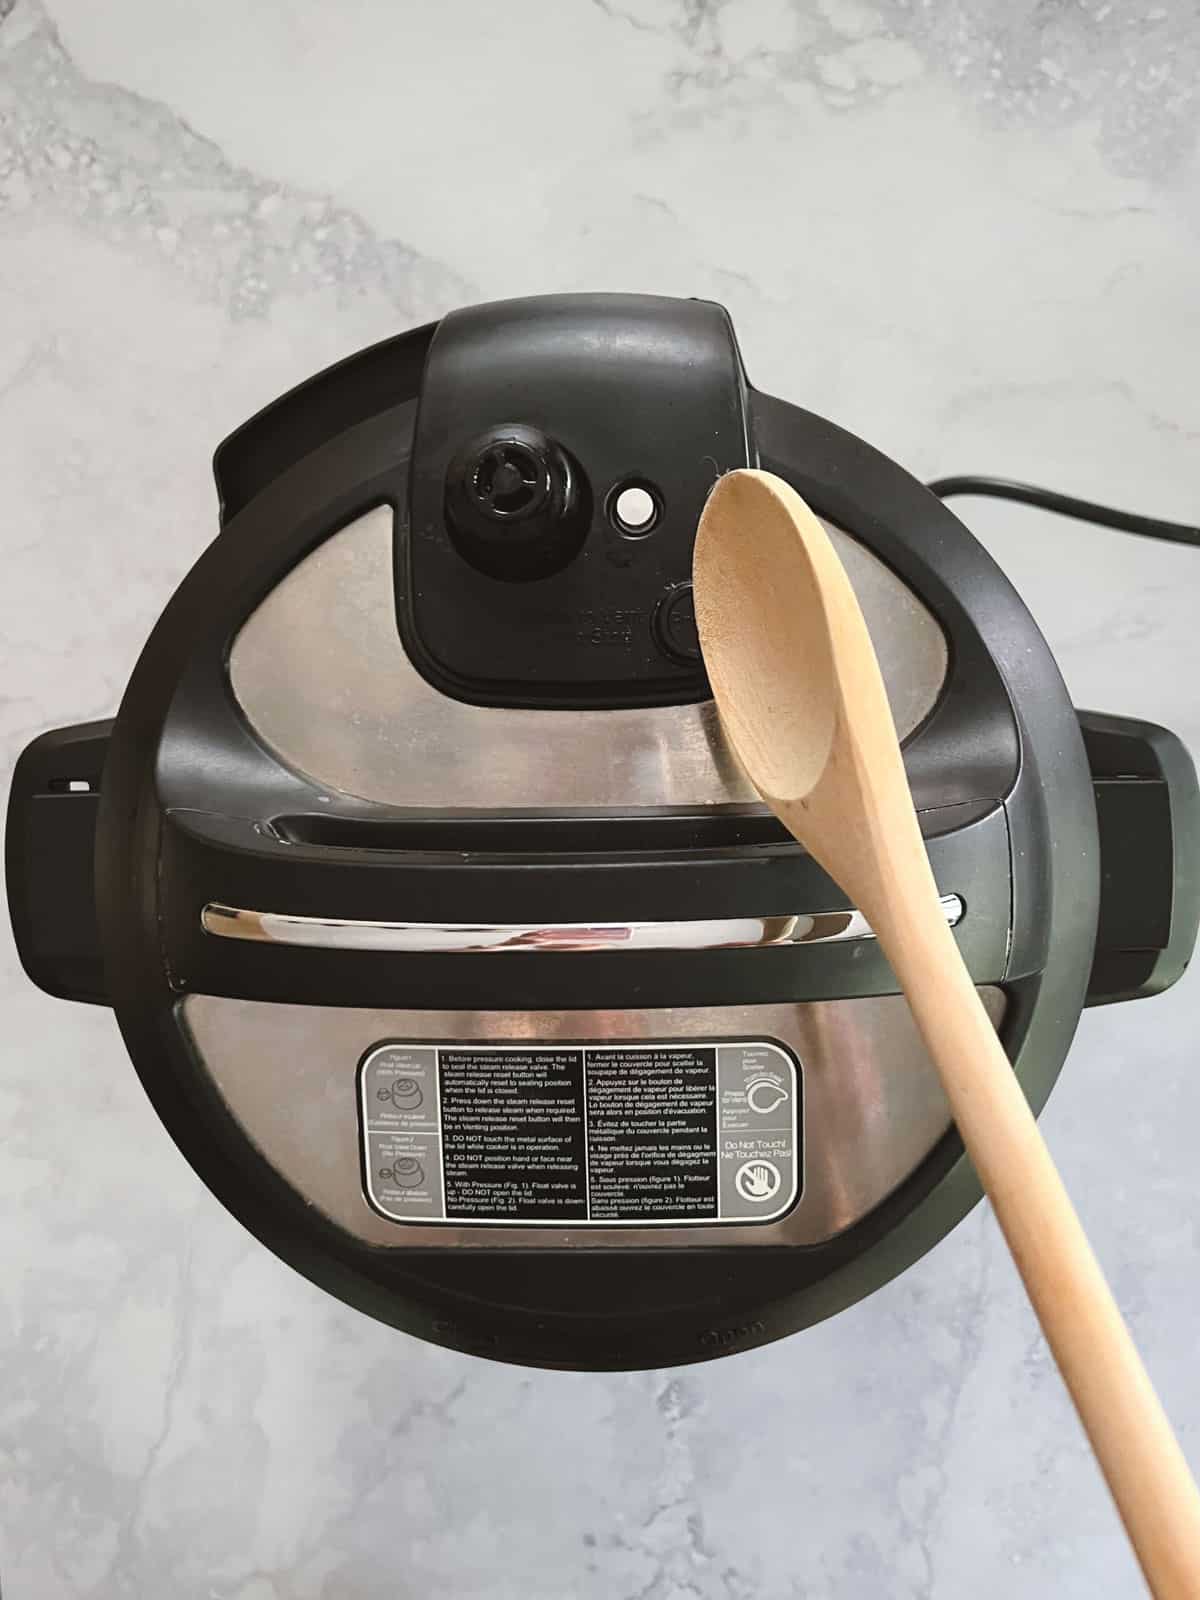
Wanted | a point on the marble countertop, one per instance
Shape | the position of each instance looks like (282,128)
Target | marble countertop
(966,230)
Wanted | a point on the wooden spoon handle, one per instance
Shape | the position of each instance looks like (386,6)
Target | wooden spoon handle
(1132,1439)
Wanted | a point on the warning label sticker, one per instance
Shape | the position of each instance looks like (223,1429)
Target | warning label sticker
(581,1134)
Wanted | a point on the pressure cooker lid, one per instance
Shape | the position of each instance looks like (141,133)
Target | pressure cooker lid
(450,942)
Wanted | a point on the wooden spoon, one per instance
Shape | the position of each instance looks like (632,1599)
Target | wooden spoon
(803,704)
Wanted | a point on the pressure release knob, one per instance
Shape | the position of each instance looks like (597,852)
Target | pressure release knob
(515,503)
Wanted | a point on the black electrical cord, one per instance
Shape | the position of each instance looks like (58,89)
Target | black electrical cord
(1067,506)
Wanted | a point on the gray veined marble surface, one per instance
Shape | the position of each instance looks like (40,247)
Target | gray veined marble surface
(968,231)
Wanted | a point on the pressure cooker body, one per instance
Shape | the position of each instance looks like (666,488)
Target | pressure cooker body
(447,937)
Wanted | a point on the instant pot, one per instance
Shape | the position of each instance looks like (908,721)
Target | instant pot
(451,944)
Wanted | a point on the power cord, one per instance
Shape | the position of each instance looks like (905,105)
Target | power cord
(1066,505)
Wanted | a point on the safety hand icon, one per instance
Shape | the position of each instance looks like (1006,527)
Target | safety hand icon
(757,1180)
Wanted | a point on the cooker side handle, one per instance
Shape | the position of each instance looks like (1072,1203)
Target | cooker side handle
(1148,809)
(49,860)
